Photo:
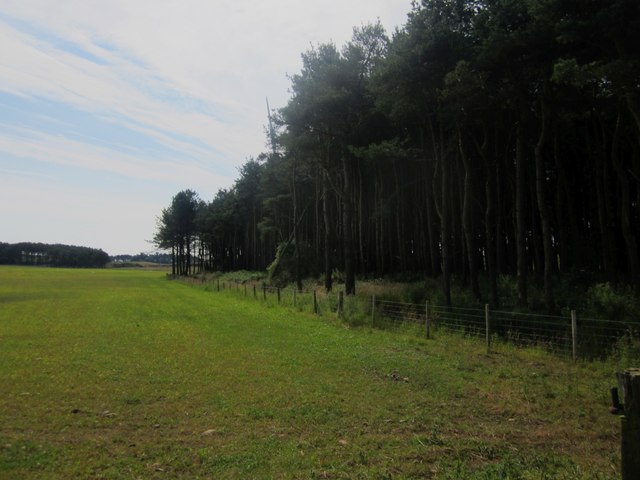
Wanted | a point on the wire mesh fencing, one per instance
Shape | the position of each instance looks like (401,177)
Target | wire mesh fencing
(554,333)
(568,335)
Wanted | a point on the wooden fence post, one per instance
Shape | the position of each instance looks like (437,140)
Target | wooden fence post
(264,291)
(340,302)
(373,310)
(295,300)
(254,291)
(427,322)
(574,334)
(629,383)
(487,323)
(315,303)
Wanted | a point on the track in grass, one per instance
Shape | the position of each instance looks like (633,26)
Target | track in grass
(124,374)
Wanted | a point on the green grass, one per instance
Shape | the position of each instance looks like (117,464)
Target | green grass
(111,374)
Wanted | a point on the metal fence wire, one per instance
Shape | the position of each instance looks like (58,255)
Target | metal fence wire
(564,335)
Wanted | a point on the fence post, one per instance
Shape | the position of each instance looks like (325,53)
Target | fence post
(487,322)
(315,303)
(278,295)
(264,291)
(427,322)
(218,284)
(340,302)
(629,383)
(373,310)
(574,334)
(254,291)
(295,302)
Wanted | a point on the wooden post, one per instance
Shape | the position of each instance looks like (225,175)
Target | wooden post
(574,334)
(340,302)
(373,310)
(264,291)
(278,295)
(218,284)
(295,290)
(629,384)
(315,303)
(487,324)
(427,326)
(254,291)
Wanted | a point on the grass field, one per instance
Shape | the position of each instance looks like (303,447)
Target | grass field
(111,374)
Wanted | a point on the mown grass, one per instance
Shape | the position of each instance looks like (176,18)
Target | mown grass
(123,374)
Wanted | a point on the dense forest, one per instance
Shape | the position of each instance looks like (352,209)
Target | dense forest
(483,138)
(51,255)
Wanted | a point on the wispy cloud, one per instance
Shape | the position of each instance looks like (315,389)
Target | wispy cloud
(59,150)
(123,90)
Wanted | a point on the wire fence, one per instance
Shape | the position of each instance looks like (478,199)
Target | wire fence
(568,335)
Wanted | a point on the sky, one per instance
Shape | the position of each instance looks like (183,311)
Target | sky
(108,108)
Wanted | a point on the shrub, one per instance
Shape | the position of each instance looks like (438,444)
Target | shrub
(605,301)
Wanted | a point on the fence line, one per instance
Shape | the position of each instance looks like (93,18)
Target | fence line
(566,335)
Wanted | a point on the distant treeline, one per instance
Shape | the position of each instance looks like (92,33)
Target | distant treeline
(160,258)
(484,139)
(51,255)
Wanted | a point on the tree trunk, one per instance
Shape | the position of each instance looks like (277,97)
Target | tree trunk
(600,179)
(399,220)
(625,207)
(562,207)
(458,245)
(431,228)
(328,265)
(543,210)
(429,202)
(443,208)
(446,233)
(296,232)
(360,223)
(347,227)
(317,260)
(521,190)
(467,218)
(446,229)
(490,222)
(501,256)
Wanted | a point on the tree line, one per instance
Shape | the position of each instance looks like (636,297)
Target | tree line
(57,255)
(483,138)
(151,257)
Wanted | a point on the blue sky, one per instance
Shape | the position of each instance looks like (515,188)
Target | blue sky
(109,108)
